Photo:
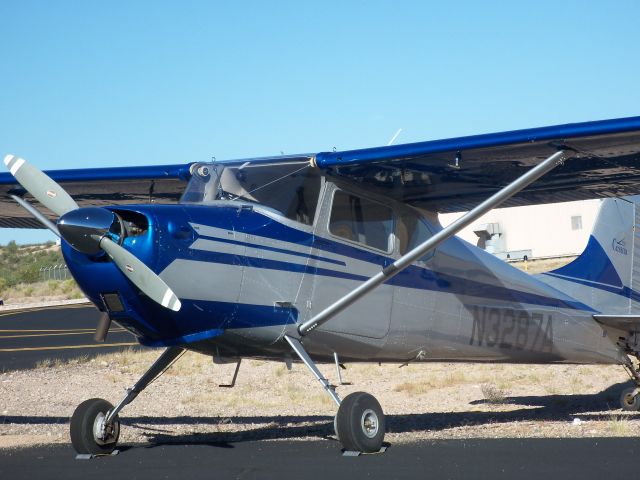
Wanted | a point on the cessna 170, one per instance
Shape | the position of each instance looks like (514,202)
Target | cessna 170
(339,257)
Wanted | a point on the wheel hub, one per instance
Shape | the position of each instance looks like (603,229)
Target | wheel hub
(103,433)
(630,397)
(369,423)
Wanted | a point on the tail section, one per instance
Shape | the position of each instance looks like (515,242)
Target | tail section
(606,276)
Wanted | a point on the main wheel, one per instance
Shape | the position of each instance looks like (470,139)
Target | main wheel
(360,423)
(88,432)
(630,399)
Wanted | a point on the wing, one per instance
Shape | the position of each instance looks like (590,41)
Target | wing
(444,175)
(98,186)
(456,174)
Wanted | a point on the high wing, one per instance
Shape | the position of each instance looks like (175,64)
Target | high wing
(603,160)
(95,187)
(114,186)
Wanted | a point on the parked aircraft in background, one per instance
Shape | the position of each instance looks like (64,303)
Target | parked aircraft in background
(339,257)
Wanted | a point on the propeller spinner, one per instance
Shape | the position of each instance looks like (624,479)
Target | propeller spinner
(89,230)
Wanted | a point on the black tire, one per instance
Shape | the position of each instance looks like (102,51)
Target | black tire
(82,425)
(630,399)
(359,423)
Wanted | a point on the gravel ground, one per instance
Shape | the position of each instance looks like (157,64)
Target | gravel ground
(422,401)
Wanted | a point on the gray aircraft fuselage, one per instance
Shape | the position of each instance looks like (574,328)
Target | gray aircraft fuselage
(239,262)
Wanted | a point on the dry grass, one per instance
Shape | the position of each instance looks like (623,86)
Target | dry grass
(493,394)
(60,363)
(39,291)
(619,425)
(542,265)
(422,401)
(438,380)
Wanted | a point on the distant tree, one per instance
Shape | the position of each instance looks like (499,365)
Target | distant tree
(12,247)
(29,273)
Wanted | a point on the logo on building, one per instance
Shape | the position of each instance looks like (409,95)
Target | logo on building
(619,246)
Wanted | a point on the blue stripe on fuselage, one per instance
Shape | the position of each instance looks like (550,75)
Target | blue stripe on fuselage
(413,277)
(622,291)
(274,249)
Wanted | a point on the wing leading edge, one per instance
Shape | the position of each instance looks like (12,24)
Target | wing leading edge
(97,186)
(456,174)
(444,175)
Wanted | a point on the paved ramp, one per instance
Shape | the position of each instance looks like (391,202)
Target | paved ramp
(521,459)
(64,331)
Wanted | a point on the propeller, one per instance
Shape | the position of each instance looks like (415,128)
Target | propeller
(89,230)
(38,184)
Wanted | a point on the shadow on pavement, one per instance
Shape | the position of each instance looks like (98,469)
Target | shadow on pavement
(549,407)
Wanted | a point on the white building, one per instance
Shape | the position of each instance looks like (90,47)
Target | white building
(537,231)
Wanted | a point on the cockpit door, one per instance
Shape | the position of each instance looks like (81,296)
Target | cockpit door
(353,241)
(414,296)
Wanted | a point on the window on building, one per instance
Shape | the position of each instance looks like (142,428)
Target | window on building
(361,220)
(576,222)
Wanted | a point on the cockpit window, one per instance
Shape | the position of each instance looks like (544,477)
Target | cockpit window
(291,189)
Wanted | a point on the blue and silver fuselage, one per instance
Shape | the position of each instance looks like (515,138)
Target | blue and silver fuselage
(246,276)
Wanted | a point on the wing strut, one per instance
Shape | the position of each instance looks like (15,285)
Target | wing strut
(406,260)
(39,216)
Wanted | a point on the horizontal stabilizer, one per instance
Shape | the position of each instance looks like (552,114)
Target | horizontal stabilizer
(622,330)
(626,323)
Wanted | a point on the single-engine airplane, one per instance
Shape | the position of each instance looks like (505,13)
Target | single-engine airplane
(340,257)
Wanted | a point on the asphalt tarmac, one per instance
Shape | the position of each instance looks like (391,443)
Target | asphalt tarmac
(521,459)
(31,336)
(65,332)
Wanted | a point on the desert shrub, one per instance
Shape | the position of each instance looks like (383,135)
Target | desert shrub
(11,248)
(67,286)
(23,265)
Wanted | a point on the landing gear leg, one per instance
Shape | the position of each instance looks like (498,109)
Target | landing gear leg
(630,397)
(359,423)
(95,426)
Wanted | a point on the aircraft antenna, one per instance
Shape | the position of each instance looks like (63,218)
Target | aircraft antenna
(393,139)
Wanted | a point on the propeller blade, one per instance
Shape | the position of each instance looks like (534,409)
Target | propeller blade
(38,184)
(94,223)
(103,328)
(141,275)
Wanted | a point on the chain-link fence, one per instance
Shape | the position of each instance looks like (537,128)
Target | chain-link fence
(55,272)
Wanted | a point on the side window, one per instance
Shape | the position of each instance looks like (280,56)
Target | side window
(411,232)
(361,220)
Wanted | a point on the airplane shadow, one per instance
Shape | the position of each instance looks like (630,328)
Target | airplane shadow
(547,407)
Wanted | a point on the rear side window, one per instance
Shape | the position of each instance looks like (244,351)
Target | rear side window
(361,220)
(411,232)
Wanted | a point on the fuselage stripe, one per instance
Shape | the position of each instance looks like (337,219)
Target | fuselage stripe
(414,277)
(622,291)
(274,249)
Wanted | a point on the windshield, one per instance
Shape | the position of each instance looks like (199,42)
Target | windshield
(290,188)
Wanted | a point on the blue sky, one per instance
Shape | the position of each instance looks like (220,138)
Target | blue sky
(95,83)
